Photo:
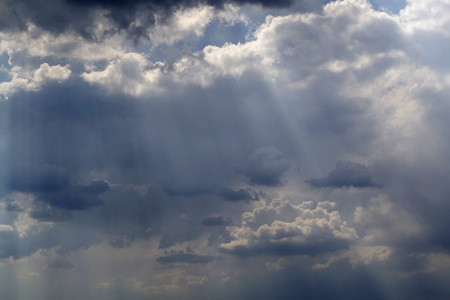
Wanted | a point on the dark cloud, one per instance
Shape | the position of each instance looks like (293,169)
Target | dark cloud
(265,166)
(78,197)
(94,188)
(216,221)
(73,15)
(175,3)
(182,257)
(45,213)
(71,200)
(37,177)
(236,196)
(345,174)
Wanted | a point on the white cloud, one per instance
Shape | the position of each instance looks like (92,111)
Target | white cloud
(426,15)
(131,74)
(381,213)
(358,255)
(6,228)
(281,223)
(32,80)
(182,24)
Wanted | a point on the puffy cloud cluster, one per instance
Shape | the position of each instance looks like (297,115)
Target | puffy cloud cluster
(282,228)
(32,80)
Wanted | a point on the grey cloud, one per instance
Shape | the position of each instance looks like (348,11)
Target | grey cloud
(78,197)
(183,257)
(14,206)
(345,174)
(37,177)
(239,195)
(216,221)
(228,194)
(61,263)
(95,187)
(311,248)
(71,200)
(46,213)
(119,243)
(265,166)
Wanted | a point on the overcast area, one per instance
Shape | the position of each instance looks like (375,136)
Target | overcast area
(247,149)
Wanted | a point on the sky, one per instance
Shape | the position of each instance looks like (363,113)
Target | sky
(244,149)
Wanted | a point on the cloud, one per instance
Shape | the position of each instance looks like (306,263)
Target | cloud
(216,221)
(265,166)
(6,228)
(62,15)
(61,263)
(285,229)
(75,198)
(14,207)
(95,187)
(114,147)
(228,194)
(32,80)
(182,257)
(35,177)
(345,174)
(47,213)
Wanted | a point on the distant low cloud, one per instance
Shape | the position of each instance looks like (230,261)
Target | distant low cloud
(346,174)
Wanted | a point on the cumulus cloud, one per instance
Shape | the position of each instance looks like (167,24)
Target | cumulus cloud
(285,229)
(33,80)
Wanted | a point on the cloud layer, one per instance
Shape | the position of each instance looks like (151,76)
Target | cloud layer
(218,150)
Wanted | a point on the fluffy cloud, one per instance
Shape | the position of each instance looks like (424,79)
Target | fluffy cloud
(33,80)
(285,229)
